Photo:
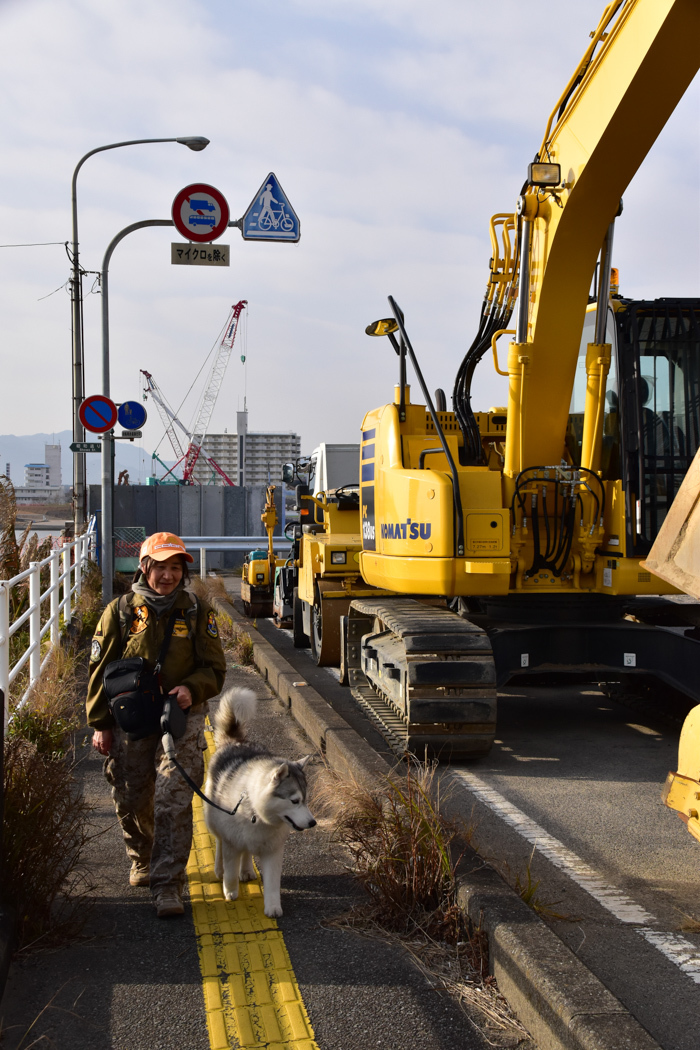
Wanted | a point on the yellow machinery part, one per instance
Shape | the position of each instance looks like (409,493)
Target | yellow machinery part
(682,789)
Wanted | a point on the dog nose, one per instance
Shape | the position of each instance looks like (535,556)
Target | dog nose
(312,823)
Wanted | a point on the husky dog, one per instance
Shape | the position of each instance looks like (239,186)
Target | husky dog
(268,795)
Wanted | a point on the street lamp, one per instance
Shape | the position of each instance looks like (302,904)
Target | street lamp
(193,142)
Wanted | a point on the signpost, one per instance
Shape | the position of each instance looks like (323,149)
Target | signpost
(200,213)
(191,255)
(98,413)
(131,415)
(85,446)
(270,216)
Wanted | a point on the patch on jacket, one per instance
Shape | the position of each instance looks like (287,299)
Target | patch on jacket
(140,620)
(180,629)
(212,629)
(95,651)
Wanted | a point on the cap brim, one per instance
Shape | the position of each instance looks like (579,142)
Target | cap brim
(163,555)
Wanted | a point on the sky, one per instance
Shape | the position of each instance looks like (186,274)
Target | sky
(396,129)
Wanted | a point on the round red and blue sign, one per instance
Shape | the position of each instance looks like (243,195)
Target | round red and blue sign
(200,212)
(98,413)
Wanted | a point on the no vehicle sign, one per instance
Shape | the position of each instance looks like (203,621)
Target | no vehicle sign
(98,414)
(200,212)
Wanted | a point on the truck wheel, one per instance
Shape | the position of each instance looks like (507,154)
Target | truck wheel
(316,630)
(299,639)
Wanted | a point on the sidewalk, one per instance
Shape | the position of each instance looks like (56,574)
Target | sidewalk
(133,982)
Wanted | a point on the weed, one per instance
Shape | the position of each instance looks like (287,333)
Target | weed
(45,814)
(526,887)
(689,924)
(236,641)
(402,852)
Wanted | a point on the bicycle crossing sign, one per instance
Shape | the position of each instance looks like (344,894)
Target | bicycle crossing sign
(270,216)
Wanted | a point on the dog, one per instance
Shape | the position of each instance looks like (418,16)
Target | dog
(265,797)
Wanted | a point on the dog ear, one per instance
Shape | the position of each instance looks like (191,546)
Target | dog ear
(280,773)
(304,761)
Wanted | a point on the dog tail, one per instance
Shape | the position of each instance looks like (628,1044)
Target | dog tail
(236,708)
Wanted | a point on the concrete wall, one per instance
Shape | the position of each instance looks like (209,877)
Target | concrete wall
(191,510)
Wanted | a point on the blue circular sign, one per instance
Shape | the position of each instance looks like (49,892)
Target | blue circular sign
(131,415)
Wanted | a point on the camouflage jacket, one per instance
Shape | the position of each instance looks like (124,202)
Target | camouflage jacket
(197,662)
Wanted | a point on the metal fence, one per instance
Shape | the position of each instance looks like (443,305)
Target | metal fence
(66,566)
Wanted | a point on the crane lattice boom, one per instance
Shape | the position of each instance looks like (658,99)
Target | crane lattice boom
(211,390)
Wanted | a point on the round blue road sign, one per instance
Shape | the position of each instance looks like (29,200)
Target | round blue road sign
(131,415)
(98,413)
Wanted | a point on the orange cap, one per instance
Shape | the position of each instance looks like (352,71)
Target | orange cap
(162,545)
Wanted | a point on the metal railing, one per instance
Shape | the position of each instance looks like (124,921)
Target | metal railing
(66,567)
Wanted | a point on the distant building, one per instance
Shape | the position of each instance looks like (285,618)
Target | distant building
(42,481)
(247,458)
(52,458)
(37,475)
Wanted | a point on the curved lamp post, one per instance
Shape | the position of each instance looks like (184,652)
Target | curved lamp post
(193,142)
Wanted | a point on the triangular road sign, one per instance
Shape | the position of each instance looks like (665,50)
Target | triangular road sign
(270,216)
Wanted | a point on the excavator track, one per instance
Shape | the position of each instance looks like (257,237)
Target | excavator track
(425,677)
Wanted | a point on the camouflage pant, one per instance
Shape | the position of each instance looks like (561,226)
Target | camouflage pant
(153,802)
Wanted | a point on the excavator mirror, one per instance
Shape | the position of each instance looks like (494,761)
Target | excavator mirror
(288,473)
(387,326)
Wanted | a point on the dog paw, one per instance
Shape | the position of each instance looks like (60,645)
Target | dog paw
(273,911)
(248,876)
(231,895)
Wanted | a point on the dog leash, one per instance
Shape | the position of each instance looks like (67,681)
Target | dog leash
(169,748)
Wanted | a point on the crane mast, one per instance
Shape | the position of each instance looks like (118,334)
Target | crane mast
(211,391)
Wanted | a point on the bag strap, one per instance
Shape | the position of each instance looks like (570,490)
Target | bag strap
(126,618)
(166,642)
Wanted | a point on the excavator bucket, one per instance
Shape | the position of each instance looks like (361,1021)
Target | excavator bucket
(675,557)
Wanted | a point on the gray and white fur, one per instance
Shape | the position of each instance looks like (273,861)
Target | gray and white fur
(270,794)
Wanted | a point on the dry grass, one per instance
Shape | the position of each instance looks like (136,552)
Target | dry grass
(402,848)
(46,819)
(689,924)
(234,639)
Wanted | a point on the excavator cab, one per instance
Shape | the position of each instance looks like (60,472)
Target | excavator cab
(651,425)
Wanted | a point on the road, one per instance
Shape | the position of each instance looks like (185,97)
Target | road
(569,799)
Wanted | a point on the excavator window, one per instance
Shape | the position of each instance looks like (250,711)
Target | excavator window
(659,360)
(610,462)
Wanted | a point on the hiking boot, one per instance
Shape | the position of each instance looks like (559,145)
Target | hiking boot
(140,874)
(169,902)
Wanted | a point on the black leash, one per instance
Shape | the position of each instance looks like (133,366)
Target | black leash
(170,752)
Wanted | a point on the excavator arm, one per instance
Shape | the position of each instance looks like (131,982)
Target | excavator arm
(642,57)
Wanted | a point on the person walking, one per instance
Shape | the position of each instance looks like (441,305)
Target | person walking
(152,800)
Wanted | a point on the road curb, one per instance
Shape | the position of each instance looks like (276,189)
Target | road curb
(561,1003)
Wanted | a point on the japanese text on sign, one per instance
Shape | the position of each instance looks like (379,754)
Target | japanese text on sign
(199,255)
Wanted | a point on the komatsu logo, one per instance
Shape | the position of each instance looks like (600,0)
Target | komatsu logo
(406,530)
(367,525)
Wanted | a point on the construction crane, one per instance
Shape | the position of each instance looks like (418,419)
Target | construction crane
(211,392)
(196,437)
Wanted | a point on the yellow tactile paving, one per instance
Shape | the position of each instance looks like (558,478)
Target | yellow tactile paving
(251,995)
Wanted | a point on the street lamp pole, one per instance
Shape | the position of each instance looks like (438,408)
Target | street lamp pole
(193,142)
(107,550)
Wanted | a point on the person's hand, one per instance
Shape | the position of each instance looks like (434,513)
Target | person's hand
(182,695)
(102,740)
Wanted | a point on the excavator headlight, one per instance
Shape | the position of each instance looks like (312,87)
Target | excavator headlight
(338,557)
(539,174)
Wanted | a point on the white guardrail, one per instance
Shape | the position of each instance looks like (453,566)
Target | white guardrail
(66,566)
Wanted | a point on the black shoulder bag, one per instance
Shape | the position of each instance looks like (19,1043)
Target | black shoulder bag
(135,696)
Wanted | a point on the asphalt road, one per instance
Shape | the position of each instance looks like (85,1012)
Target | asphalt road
(132,981)
(568,802)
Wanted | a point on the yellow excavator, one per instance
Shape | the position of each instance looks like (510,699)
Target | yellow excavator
(514,539)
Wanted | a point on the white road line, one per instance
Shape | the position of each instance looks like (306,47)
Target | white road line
(677,949)
(616,902)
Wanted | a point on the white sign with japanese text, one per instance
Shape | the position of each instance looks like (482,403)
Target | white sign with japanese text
(199,254)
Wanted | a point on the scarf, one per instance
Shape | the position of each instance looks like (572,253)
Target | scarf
(159,603)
